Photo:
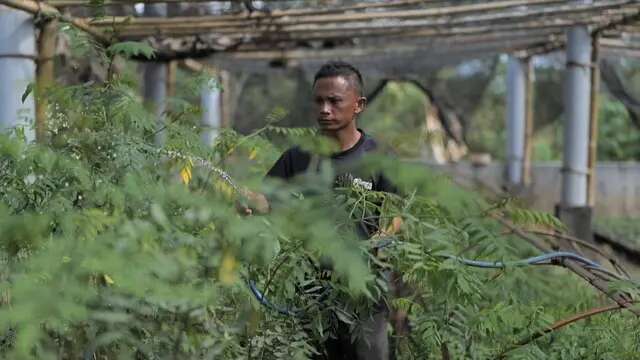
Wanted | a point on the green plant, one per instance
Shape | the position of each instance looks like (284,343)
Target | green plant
(113,248)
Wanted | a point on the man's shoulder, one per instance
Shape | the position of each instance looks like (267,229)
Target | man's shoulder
(295,152)
(292,162)
(370,144)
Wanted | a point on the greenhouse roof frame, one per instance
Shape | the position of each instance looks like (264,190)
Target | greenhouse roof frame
(401,27)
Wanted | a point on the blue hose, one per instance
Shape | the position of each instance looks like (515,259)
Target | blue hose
(265,302)
(544,259)
(536,260)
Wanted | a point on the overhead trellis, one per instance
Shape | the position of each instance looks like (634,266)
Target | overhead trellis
(401,27)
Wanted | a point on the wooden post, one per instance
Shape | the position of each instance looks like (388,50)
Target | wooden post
(528,134)
(44,75)
(593,120)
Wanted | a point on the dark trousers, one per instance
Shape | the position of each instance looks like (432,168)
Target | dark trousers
(370,343)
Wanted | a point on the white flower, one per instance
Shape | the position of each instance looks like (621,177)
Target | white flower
(30,179)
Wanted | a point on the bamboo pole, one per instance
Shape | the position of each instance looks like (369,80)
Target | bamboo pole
(83,3)
(593,121)
(269,40)
(414,44)
(273,13)
(198,24)
(618,43)
(370,30)
(470,44)
(44,75)
(529,119)
(34,8)
(198,67)
(242,20)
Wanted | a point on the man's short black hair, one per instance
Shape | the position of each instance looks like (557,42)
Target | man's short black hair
(344,69)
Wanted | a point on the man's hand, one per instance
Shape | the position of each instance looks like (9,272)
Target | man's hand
(392,229)
(254,203)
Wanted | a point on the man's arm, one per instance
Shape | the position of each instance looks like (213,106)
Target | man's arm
(256,202)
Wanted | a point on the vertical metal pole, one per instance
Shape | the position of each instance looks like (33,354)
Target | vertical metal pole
(516,115)
(155,80)
(17,70)
(44,75)
(576,126)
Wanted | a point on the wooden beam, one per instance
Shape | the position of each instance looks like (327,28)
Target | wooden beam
(273,13)
(378,30)
(437,47)
(45,75)
(240,20)
(619,43)
(198,67)
(197,25)
(272,40)
(34,7)
(87,3)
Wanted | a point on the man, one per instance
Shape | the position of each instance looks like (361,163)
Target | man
(337,102)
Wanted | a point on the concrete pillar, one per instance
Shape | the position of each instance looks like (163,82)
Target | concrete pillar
(516,119)
(211,103)
(155,80)
(577,102)
(17,71)
(574,209)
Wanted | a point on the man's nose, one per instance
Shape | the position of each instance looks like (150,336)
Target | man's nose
(325,108)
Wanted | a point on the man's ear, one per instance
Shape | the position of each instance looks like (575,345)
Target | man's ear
(362,104)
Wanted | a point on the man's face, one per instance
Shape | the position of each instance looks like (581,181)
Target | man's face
(336,102)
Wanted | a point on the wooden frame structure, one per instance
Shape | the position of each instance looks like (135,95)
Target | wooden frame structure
(528,27)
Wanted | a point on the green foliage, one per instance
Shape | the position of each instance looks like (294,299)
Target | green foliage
(113,248)
(618,138)
(623,229)
(130,49)
(397,118)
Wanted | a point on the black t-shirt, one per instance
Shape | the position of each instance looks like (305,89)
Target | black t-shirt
(346,164)
(296,161)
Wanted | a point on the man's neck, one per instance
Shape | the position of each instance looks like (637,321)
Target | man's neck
(346,137)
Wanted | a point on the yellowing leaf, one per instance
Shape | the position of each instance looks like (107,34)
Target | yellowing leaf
(223,187)
(108,279)
(227,273)
(253,153)
(185,173)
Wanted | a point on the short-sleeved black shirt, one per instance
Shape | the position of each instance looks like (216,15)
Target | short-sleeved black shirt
(296,161)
